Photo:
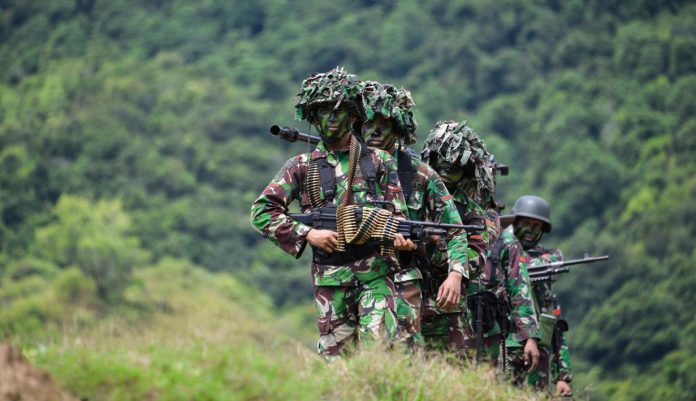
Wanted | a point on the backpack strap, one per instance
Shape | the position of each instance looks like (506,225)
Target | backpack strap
(327,178)
(405,172)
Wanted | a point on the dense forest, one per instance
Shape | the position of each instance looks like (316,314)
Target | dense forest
(136,132)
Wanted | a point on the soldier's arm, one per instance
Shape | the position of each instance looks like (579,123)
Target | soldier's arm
(439,204)
(564,371)
(519,290)
(268,212)
(479,242)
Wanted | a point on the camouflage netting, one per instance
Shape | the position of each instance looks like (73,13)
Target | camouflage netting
(457,143)
(394,103)
(335,86)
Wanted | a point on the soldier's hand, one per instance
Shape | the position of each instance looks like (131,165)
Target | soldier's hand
(531,354)
(450,291)
(323,239)
(563,388)
(403,244)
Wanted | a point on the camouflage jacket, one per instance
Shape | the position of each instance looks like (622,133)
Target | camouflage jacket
(513,272)
(268,212)
(429,200)
(470,213)
(546,303)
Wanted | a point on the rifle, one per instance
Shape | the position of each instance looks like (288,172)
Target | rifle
(325,218)
(549,271)
(293,135)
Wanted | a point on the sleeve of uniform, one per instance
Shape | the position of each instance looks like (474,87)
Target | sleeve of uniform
(564,371)
(389,183)
(478,242)
(268,212)
(439,202)
(519,290)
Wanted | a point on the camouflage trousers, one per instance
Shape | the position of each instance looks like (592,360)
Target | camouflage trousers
(409,302)
(490,351)
(537,379)
(349,314)
(445,332)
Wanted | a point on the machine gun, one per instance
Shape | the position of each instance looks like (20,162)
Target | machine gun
(550,271)
(325,218)
(362,224)
(293,135)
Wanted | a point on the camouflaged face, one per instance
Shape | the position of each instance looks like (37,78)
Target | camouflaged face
(455,142)
(336,87)
(393,103)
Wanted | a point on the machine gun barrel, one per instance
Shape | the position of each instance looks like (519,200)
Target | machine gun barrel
(293,135)
(548,271)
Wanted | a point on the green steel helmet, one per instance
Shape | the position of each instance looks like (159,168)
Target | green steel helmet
(533,207)
(336,86)
(393,103)
(457,143)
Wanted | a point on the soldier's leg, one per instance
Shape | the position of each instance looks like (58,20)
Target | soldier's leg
(444,332)
(408,303)
(377,311)
(516,369)
(337,319)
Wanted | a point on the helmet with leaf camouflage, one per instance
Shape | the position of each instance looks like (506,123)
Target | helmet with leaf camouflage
(456,143)
(334,87)
(392,103)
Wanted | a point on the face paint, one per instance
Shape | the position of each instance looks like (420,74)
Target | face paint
(450,173)
(332,124)
(380,133)
(528,231)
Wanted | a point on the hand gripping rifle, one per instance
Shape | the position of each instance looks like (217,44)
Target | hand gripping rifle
(293,135)
(550,271)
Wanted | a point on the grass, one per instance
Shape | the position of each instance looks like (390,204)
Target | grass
(201,336)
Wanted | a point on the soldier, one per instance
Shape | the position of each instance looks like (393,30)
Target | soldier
(448,151)
(390,121)
(531,218)
(353,285)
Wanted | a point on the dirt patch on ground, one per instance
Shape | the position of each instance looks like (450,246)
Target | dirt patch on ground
(20,381)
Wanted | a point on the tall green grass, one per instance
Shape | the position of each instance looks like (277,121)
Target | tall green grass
(192,335)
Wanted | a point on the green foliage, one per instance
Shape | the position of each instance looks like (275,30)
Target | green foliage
(165,105)
(94,237)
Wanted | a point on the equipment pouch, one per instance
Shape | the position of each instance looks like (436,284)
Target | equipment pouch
(547,323)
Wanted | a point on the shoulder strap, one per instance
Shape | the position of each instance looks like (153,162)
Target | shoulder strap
(496,249)
(405,172)
(327,179)
(367,168)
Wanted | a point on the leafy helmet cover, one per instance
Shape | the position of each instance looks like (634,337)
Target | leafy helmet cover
(336,86)
(457,143)
(393,103)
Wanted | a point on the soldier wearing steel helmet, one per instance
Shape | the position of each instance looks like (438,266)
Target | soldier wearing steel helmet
(353,290)
(452,150)
(530,219)
(390,126)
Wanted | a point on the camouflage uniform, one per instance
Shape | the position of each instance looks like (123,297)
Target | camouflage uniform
(354,299)
(455,143)
(549,310)
(428,200)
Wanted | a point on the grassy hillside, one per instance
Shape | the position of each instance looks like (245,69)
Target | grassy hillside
(160,109)
(193,335)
